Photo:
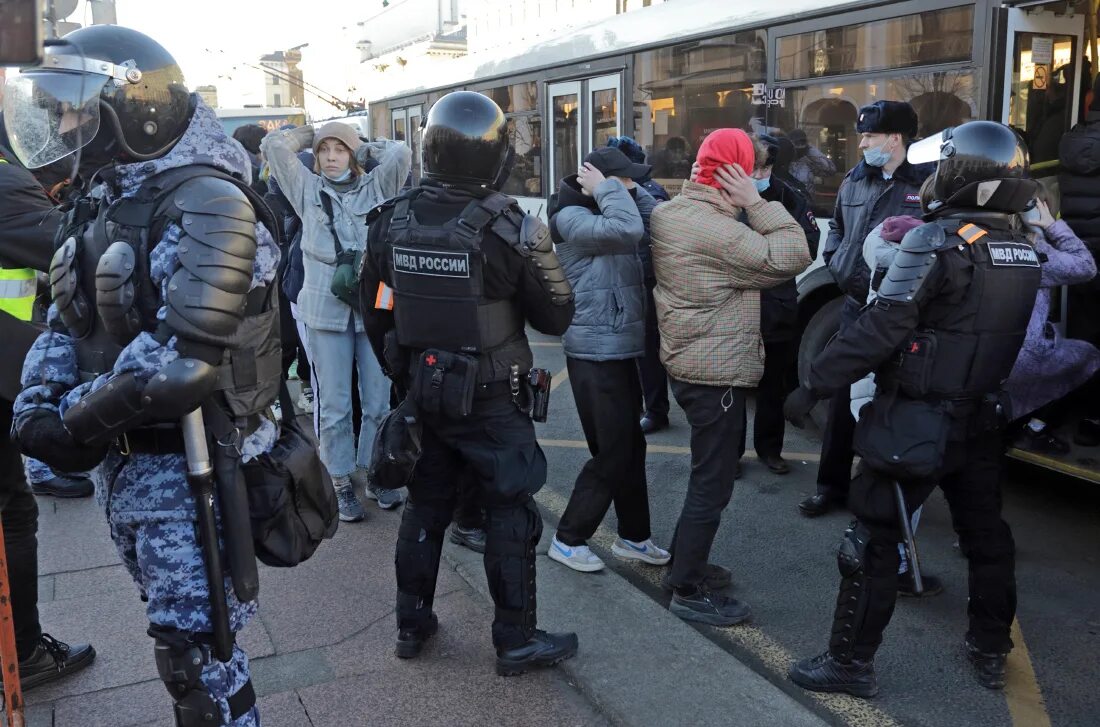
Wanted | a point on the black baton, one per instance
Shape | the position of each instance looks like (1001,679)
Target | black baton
(200,476)
(236,524)
(910,541)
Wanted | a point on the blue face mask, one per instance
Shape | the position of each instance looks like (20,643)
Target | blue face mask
(762,184)
(342,178)
(876,156)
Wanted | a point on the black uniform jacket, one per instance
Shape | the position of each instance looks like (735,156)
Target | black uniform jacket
(507,274)
(779,305)
(885,325)
(28,222)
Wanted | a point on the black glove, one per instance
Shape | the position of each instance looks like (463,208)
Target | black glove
(42,435)
(797,407)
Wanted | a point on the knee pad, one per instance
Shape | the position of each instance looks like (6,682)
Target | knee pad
(853,549)
(180,661)
(181,657)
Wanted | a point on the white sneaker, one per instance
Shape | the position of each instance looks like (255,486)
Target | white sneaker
(645,551)
(578,557)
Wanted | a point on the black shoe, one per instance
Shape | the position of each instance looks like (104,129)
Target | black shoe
(472,538)
(651,424)
(715,578)
(1088,433)
(543,649)
(775,463)
(825,673)
(64,486)
(410,642)
(816,505)
(990,667)
(53,660)
(708,607)
(933,586)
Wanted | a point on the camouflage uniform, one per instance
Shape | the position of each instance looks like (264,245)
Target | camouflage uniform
(146,496)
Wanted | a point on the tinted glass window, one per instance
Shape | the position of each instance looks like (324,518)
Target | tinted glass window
(936,36)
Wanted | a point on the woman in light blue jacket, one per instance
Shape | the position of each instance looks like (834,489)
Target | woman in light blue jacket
(335,331)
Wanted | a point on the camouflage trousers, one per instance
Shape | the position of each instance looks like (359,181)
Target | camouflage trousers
(152,519)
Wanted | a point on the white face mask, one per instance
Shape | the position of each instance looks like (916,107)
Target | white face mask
(342,178)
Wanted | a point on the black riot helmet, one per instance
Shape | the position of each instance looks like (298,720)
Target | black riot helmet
(983,164)
(466,141)
(105,83)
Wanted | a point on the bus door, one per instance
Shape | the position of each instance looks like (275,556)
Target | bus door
(1042,95)
(406,128)
(584,115)
(1042,80)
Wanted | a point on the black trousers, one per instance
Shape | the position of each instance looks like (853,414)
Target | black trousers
(716,416)
(650,369)
(971,482)
(779,379)
(497,443)
(469,512)
(834,473)
(292,348)
(19,514)
(606,393)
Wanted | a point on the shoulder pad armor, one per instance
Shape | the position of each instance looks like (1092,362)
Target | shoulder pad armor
(536,246)
(535,235)
(913,263)
(217,251)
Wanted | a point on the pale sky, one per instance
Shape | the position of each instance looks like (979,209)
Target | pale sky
(210,37)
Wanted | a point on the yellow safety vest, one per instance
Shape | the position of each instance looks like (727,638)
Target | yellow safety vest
(17,290)
(18,287)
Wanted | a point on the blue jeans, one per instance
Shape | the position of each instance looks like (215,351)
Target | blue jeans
(332,354)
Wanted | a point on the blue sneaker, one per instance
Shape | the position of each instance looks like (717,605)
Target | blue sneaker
(644,551)
(578,557)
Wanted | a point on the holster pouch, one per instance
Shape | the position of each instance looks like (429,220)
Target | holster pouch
(396,447)
(993,414)
(345,281)
(903,438)
(444,383)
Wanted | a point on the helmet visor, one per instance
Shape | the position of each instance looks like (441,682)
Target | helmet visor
(927,149)
(51,114)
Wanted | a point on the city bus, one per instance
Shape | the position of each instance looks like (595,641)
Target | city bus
(667,75)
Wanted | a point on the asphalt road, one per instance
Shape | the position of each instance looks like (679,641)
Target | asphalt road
(784,567)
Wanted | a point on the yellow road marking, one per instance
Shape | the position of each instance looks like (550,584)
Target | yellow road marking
(1025,699)
(665,448)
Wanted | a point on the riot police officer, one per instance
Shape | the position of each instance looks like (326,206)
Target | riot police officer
(942,336)
(162,302)
(453,271)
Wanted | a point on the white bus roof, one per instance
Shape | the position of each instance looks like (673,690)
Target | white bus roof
(669,21)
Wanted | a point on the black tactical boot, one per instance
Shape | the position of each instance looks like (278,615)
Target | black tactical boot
(52,660)
(826,673)
(64,486)
(989,667)
(542,649)
(410,642)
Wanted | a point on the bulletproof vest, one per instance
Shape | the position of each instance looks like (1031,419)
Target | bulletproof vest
(967,343)
(114,298)
(439,286)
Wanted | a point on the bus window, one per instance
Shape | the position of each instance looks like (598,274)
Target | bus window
(684,92)
(820,121)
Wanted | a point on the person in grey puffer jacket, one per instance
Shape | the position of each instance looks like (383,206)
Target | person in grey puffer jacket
(597,230)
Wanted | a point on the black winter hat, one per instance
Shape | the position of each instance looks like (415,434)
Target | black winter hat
(888,117)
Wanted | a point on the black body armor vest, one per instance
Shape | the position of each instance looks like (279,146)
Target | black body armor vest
(100,279)
(439,287)
(967,344)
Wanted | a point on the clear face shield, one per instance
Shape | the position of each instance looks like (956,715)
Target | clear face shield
(52,110)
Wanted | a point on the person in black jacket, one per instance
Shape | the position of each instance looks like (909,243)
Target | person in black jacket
(882,185)
(1079,182)
(28,221)
(778,311)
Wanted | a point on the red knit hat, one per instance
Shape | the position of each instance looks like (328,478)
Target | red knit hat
(724,146)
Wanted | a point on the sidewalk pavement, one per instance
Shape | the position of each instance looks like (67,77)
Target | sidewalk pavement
(322,645)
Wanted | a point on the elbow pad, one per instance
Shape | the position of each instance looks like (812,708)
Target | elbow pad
(913,263)
(538,249)
(125,403)
(206,296)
